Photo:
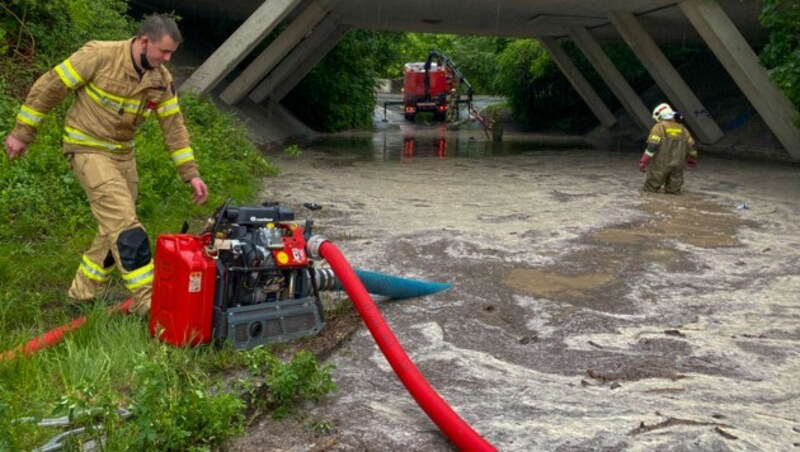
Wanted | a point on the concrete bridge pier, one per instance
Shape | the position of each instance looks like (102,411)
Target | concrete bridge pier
(275,52)
(269,15)
(628,98)
(741,62)
(300,61)
(578,81)
(677,91)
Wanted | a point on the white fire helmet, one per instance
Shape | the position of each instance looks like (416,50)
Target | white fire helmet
(663,112)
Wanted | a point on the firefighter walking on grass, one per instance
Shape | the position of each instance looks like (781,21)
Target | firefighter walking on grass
(671,148)
(117,85)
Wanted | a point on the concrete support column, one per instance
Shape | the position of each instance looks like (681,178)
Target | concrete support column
(276,51)
(578,81)
(732,50)
(667,78)
(300,61)
(613,77)
(239,45)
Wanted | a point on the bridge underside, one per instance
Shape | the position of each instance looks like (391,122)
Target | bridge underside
(729,28)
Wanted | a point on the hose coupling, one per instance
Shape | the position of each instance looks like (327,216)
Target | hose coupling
(313,245)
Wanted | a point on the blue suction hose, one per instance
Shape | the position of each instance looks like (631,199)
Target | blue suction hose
(393,287)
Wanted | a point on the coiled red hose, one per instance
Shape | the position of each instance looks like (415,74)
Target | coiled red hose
(448,421)
(55,335)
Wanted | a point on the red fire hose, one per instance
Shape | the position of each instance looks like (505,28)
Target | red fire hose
(55,335)
(448,421)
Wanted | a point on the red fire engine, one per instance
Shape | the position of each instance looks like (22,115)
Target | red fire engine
(428,86)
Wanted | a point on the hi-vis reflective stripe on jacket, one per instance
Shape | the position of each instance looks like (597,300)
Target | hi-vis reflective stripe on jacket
(182,156)
(670,143)
(69,75)
(139,277)
(168,107)
(111,101)
(132,106)
(94,271)
(30,116)
(75,136)
(115,103)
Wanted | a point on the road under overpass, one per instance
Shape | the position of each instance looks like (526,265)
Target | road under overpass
(311,28)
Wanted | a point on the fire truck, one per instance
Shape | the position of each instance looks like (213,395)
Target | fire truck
(429,85)
(425,88)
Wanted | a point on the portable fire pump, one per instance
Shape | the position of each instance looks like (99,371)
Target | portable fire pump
(246,279)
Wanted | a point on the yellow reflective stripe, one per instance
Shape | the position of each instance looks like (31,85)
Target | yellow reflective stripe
(29,116)
(75,136)
(94,271)
(139,277)
(169,107)
(673,131)
(112,101)
(69,75)
(654,138)
(181,156)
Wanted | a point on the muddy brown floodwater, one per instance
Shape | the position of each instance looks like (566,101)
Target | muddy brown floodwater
(584,315)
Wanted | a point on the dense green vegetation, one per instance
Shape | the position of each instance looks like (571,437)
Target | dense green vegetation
(176,396)
(542,98)
(782,53)
(339,93)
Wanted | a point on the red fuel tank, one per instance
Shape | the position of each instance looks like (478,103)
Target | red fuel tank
(182,304)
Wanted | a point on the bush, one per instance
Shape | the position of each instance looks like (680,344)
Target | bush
(287,384)
(339,93)
(173,408)
(781,55)
(537,91)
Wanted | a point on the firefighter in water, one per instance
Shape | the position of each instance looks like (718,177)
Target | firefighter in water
(117,85)
(452,98)
(671,148)
(452,108)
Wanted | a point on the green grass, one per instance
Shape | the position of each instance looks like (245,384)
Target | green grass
(179,396)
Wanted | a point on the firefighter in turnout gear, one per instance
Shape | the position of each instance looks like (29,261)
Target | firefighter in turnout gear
(117,86)
(671,148)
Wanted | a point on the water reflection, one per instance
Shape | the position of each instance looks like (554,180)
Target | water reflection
(421,141)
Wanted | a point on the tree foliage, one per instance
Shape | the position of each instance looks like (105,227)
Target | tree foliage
(539,95)
(475,56)
(35,34)
(339,93)
(781,55)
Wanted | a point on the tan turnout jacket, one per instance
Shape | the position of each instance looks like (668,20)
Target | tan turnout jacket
(673,143)
(111,101)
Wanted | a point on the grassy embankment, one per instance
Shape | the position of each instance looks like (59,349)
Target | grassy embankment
(178,396)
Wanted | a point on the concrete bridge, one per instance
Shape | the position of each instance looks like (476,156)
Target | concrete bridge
(729,28)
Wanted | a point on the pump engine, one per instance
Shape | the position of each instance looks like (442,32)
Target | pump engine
(246,279)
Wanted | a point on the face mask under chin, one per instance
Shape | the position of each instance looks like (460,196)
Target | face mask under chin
(145,63)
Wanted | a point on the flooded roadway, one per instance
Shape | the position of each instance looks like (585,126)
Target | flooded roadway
(584,314)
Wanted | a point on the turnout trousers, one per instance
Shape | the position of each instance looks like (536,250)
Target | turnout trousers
(670,177)
(120,241)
